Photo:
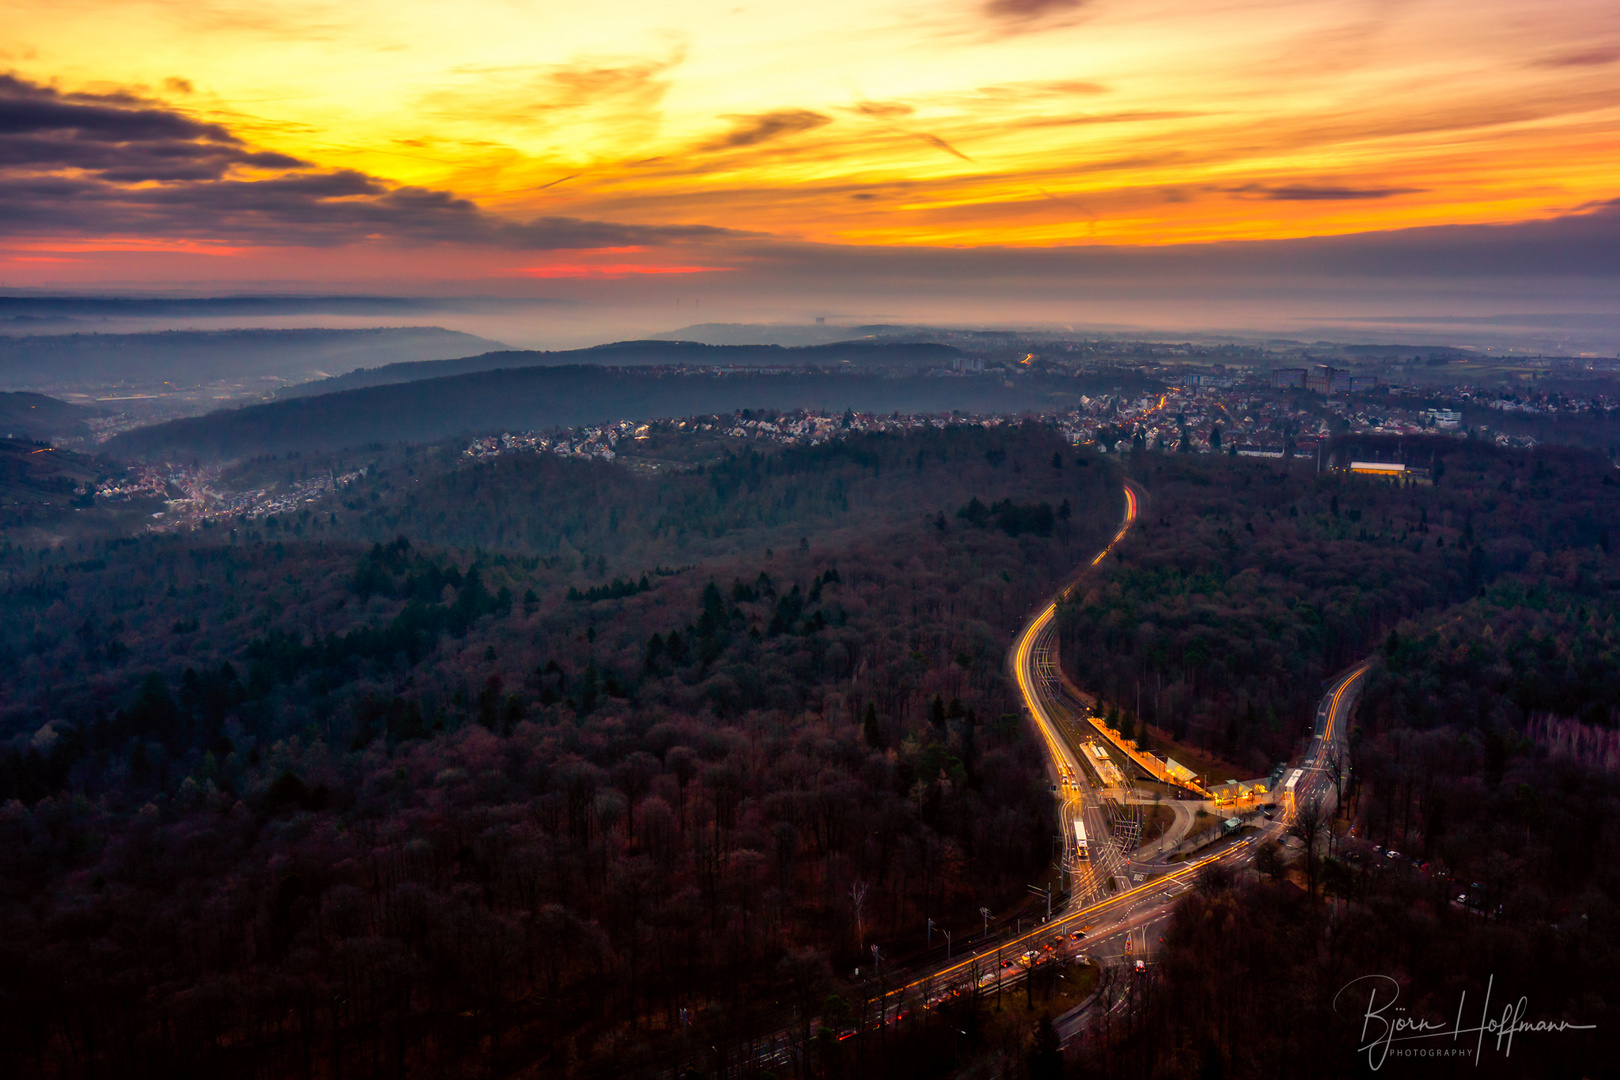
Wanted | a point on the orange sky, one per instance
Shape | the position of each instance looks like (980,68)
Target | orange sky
(1024,123)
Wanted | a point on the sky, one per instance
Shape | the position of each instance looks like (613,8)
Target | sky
(988,157)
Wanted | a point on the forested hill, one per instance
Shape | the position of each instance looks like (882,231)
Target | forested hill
(408,809)
(35,416)
(532,398)
(1245,585)
(864,354)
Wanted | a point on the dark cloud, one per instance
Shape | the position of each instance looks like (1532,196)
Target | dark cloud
(1028,10)
(117,137)
(1314,193)
(763,127)
(116,164)
(29,108)
(884,110)
(1593,57)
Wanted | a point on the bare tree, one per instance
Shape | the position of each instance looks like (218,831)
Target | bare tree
(1268,861)
(1338,770)
(1311,821)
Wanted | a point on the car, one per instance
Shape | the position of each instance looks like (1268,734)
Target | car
(1006,963)
(1392,854)
(1141,965)
(986,979)
(1077,935)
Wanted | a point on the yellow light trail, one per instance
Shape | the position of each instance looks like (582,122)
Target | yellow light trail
(1061,756)
(1063,759)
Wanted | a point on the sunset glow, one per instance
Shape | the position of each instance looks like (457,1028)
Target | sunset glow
(1013,123)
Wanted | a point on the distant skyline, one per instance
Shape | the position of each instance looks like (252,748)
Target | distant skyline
(1017,153)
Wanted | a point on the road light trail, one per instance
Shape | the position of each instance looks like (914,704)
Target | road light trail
(1166,888)
(1026,673)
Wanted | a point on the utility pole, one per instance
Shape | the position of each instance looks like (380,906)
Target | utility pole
(947,934)
(930,933)
(985,912)
(1046,892)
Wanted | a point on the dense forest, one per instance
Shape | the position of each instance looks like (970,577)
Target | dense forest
(35,416)
(1245,584)
(1484,758)
(565,766)
(1476,840)
(537,398)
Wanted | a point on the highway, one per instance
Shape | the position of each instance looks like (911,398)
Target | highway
(1118,908)
(1124,926)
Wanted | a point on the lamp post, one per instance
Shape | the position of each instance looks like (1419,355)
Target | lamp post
(985,912)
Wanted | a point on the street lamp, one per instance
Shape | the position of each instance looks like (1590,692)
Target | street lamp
(984,911)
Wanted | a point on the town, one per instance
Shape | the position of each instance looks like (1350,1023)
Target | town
(1242,411)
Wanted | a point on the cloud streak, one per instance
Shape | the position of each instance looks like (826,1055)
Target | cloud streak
(764,127)
(1027,10)
(1319,193)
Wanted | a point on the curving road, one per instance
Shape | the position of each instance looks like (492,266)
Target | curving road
(1124,926)
(1115,929)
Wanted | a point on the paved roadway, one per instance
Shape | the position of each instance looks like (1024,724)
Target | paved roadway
(1116,929)
(1127,925)
(1040,685)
